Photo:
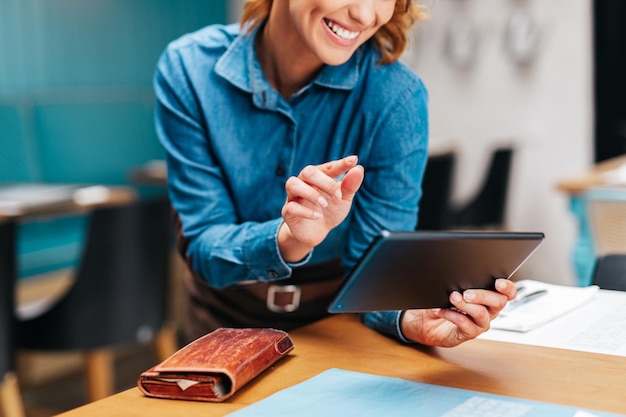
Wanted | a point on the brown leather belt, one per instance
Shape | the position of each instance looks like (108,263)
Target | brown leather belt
(287,298)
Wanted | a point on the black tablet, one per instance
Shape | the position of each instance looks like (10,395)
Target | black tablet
(405,270)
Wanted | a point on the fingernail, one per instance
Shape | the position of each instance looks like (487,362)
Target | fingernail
(351,158)
(500,283)
(469,296)
(338,193)
(456,297)
(322,201)
(317,214)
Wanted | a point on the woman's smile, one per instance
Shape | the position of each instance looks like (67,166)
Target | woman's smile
(340,31)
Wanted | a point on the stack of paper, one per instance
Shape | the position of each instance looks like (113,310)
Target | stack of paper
(17,198)
(538,303)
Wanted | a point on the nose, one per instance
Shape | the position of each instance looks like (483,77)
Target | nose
(363,12)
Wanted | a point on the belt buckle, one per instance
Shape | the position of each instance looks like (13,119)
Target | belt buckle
(272,290)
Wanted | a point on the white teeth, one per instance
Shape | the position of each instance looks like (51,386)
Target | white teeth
(341,32)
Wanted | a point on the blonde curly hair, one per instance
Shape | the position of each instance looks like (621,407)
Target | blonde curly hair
(392,39)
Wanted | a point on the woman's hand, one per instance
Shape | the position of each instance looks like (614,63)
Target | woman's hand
(474,310)
(318,200)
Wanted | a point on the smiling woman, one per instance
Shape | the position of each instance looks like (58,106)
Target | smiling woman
(292,140)
(299,37)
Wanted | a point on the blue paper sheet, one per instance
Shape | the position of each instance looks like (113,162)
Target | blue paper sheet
(345,393)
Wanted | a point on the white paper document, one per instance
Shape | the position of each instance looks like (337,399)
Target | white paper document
(538,303)
(597,326)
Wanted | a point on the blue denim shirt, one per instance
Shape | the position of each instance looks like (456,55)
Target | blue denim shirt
(232,141)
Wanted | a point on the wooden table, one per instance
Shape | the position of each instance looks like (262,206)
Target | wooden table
(566,377)
(594,177)
(151,173)
(115,195)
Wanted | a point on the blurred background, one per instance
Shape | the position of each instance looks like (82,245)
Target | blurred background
(518,73)
(543,79)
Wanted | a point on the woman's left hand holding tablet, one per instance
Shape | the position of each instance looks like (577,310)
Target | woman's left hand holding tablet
(471,316)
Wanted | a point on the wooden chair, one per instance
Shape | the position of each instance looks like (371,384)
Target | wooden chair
(11,404)
(119,296)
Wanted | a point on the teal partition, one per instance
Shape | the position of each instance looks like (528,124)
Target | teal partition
(582,253)
(65,44)
(95,142)
(47,244)
(17,162)
(76,99)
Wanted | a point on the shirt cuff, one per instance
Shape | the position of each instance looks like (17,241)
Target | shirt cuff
(301,262)
(262,255)
(386,322)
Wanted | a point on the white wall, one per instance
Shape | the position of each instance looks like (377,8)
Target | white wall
(234,9)
(544,108)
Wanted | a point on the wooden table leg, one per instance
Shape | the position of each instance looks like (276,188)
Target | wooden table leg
(99,373)
(165,342)
(11,404)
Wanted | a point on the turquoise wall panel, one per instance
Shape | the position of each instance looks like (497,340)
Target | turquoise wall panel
(95,142)
(67,43)
(16,157)
(76,102)
(50,244)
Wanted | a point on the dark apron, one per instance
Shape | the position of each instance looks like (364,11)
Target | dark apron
(286,304)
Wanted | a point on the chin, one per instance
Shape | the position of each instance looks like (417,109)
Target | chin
(336,59)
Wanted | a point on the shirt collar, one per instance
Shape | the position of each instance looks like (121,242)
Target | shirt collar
(239,65)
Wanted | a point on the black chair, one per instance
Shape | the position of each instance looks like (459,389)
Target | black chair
(610,272)
(119,295)
(10,396)
(436,191)
(487,209)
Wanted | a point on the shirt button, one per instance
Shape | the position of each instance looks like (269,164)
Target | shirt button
(280,171)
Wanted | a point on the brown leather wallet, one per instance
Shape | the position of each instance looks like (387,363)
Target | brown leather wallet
(214,366)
